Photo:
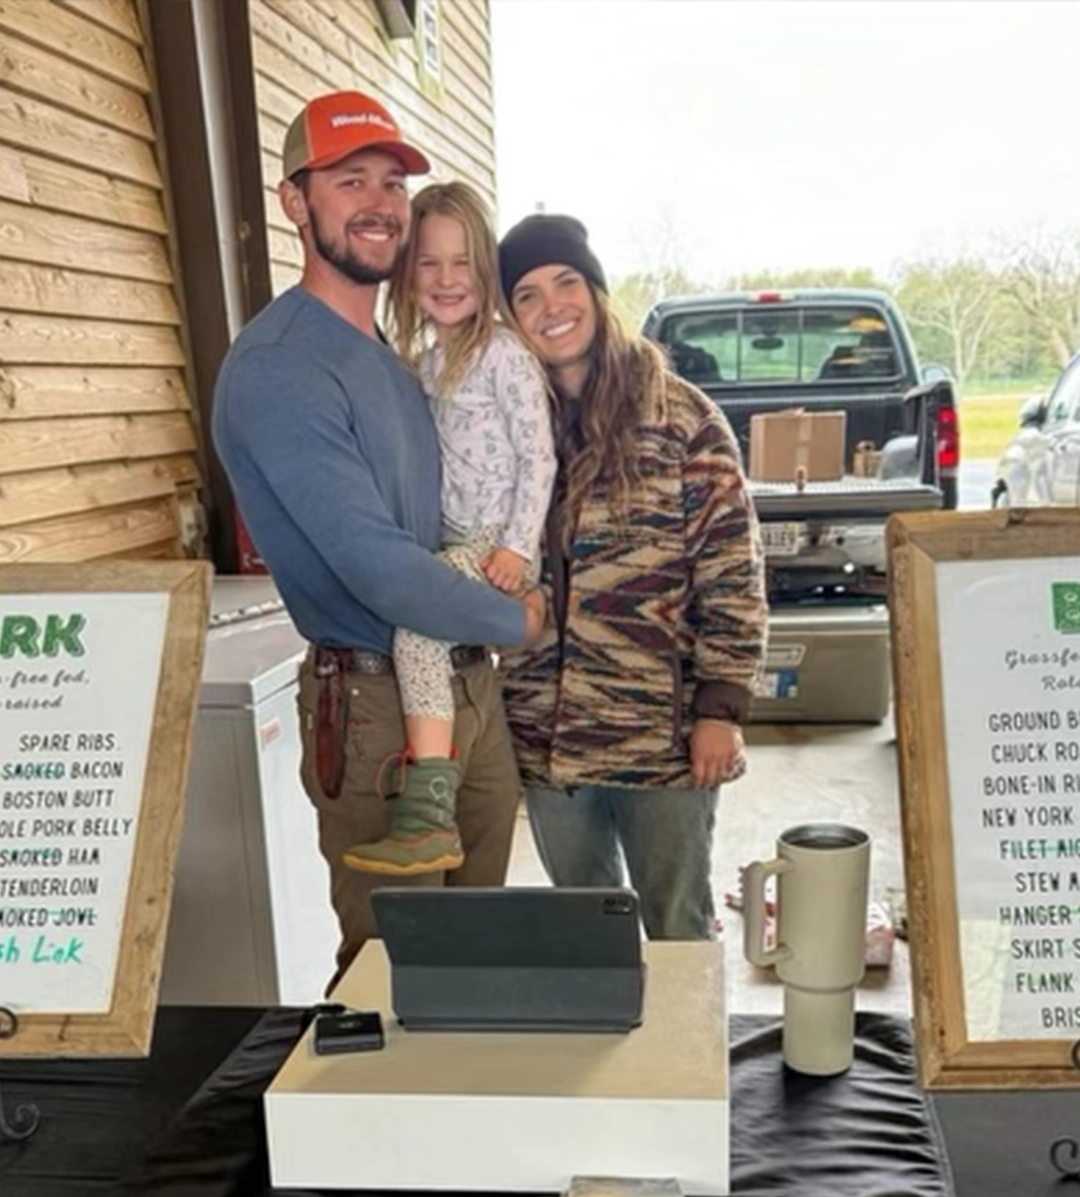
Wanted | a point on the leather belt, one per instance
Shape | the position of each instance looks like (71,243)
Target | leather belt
(359,660)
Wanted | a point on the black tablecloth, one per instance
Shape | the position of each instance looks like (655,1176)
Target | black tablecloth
(98,1116)
(869,1133)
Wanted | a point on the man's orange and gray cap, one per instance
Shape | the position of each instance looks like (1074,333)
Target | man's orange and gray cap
(334,126)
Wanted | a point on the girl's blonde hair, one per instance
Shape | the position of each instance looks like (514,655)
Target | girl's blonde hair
(409,327)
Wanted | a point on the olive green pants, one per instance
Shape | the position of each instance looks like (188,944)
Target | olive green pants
(487,798)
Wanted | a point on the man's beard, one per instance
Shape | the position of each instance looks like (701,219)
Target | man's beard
(345,261)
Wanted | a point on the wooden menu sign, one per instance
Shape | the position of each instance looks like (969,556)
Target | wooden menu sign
(100,666)
(985,611)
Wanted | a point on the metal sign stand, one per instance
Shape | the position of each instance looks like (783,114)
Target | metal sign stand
(1065,1153)
(27,1117)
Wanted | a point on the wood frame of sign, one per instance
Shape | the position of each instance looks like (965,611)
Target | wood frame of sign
(178,596)
(957,1047)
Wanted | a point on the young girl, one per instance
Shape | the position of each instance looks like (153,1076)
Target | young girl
(490,403)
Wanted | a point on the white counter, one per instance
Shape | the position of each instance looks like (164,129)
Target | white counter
(514,1111)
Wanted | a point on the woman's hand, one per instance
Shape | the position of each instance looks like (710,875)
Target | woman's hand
(717,752)
(505,570)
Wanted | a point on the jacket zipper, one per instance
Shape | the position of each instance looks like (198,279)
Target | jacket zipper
(677,698)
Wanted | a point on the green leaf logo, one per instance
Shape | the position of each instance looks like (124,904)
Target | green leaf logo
(1066,596)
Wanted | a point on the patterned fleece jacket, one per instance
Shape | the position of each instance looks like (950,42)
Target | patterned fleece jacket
(664,617)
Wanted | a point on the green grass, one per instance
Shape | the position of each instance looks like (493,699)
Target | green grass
(988,423)
(987,387)
(988,411)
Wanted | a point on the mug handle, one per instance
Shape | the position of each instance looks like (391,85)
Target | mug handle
(754,913)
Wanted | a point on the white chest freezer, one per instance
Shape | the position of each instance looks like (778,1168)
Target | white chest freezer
(251,921)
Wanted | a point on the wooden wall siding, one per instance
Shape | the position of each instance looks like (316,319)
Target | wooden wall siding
(97,439)
(305,47)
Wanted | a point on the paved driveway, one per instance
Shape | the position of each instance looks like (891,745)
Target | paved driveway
(976,479)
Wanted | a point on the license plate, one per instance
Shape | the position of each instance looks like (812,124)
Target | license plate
(781,540)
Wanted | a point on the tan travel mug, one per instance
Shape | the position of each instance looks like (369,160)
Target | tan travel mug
(822,875)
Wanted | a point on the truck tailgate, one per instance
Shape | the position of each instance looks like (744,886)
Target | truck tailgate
(857,498)
(828,539)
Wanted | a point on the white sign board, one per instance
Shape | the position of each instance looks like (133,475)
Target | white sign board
(99,674)
(78,678)
(1011,670)
(985,614)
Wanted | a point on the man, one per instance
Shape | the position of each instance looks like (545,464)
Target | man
(332,453)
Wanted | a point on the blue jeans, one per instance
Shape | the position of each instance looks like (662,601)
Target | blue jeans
(666,841)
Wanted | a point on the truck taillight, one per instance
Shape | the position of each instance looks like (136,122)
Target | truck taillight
(948,441)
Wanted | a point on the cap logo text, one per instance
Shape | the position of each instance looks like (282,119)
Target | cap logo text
(361,118)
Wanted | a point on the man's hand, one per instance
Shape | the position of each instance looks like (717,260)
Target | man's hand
(505,570)
(716,752)
(535,616)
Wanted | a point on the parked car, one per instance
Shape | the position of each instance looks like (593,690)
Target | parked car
(1041,465)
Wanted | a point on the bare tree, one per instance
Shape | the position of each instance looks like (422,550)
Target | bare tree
(663,248)
(807,276)
(665,274)
(634,295)
(1043,277)
(955,304)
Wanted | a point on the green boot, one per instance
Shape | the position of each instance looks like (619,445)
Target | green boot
(423,836)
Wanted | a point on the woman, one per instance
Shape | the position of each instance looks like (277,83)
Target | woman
(627,715)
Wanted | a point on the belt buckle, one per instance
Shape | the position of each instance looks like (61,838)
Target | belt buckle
(370,664)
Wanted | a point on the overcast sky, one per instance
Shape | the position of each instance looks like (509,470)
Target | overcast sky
(743,134)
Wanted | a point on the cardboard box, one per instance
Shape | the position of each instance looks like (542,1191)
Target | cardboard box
(782,442)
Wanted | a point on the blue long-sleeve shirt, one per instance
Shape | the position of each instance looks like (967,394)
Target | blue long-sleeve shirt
(331,450)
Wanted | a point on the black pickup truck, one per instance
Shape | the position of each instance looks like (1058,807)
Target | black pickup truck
(823,350)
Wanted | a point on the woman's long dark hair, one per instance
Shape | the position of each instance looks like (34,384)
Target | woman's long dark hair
(599,449)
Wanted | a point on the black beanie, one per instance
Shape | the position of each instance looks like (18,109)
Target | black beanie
(542,240)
